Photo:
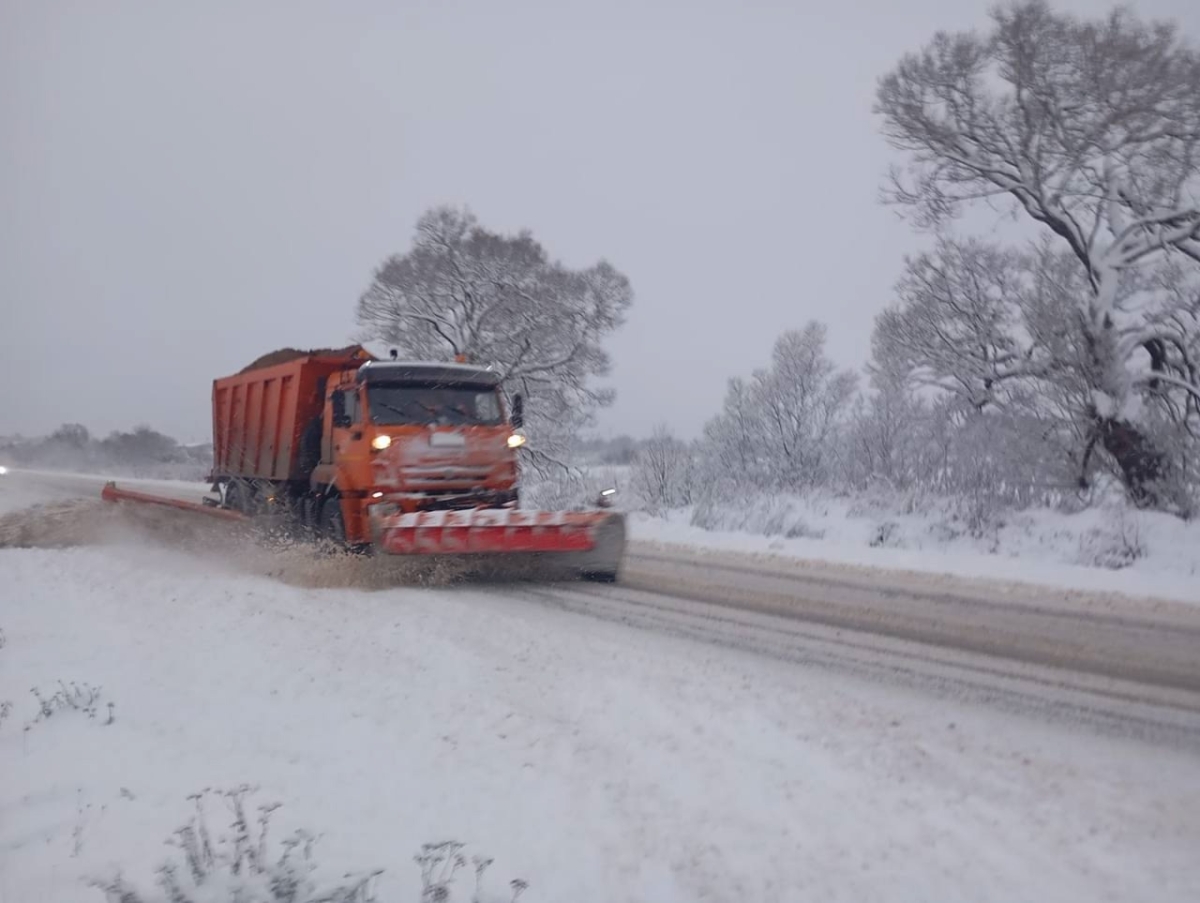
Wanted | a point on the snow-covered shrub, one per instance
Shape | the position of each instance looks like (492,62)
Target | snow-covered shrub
(574,489)
(799,528)
(1116,545)
(886,535)
(759,513)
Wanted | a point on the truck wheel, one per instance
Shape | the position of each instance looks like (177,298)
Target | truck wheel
(308,510)
(235,496)
(333,525)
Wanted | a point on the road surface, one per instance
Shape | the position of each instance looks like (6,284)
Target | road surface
(1125,665)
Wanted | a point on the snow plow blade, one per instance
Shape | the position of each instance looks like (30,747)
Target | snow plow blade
(551,543)
(110,493)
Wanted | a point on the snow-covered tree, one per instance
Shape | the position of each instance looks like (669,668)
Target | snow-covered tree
(663,471)
(780,428)
(992,328)
(1092,130)
(73,435)
(888,436)
(499,299)
(959,324)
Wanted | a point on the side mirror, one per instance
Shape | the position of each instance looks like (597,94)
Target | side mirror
(518,411)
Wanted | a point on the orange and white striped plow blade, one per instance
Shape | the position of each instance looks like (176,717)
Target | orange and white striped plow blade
(488,531)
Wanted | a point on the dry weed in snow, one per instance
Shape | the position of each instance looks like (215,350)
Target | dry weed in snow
(70,697)
(441,862)
(242,866)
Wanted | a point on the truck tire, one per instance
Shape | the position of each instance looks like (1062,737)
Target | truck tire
(235,496)
(333,524)
(308,516)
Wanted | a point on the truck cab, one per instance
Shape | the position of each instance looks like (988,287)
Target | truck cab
(416,436)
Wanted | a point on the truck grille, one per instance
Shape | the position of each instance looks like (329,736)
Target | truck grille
(440,479)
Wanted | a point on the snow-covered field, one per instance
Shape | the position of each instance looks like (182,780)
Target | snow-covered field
(594,760)
(1110,548)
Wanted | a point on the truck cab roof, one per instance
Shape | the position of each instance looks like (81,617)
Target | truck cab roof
(427,371)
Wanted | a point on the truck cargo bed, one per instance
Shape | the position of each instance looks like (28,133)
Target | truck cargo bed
(260,415)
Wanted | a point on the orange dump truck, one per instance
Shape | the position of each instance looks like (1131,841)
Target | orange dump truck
(399,457)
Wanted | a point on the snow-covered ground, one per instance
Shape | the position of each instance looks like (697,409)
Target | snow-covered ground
(1110,548)
(594,760)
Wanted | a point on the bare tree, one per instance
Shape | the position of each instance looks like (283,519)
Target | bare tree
(959,323)
(780,429)
(731,447)
(993,328)
(805,399)
(1092,130)
(143,445)
(500,300)
(663,471)
(74,435)
(889,430)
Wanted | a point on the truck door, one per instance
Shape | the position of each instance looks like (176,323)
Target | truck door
(351,459)
(349,450)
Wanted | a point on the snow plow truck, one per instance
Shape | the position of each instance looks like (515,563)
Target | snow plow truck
(409,458)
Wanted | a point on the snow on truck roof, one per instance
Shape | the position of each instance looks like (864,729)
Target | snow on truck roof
(436,371)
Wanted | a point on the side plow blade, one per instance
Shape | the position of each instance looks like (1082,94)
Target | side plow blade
(110,493)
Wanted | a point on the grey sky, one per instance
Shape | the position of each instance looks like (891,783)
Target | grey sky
(187,185)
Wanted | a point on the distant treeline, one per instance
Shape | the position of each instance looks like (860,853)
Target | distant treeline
(143,452)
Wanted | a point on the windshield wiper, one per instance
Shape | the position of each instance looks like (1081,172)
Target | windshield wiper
(405,416)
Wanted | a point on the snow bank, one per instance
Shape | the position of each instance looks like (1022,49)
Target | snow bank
(1111,548)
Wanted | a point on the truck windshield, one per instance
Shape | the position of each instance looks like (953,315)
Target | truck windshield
(440,404)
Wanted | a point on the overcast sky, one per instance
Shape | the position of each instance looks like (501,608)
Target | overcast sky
(184,186)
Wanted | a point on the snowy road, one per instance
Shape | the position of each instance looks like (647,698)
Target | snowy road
(1166,711)
(706,730)
(1122,650)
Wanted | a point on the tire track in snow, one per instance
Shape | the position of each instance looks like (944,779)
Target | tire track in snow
(1163,650)
(1151,713)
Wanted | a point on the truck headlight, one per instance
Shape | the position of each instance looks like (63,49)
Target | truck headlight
(379,443)
(516,440)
